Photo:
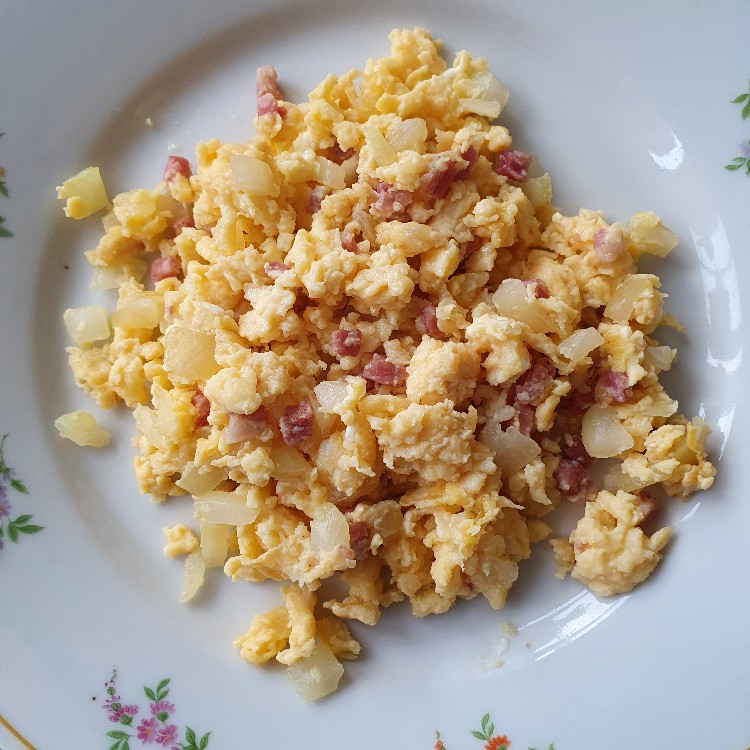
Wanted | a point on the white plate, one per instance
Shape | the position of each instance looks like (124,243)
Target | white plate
(628,107)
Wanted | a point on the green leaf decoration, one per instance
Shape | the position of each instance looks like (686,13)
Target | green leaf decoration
(203,744)
(6,232)
(739,99)
(162,691)
(12,532)
(117,734)
(149,693)
(189,736)
(21,520)
(30,528)
(3,189)
(478,735)
(746,111)
(19,486)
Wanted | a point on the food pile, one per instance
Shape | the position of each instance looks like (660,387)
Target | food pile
(367,344)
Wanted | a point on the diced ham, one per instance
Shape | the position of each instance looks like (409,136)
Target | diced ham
(242,427)
(438,178)
(541,290)
(470,155)
(512,164)
(573,449)
(165,268)
(179,224)
(269,96)
(380,370)
(336,154)
(359,539)
(427,322)
(572,479)
(296,424)
(524,419)
(274,269)
(203,407)
(609,244)
(390,202)
(612,386)
(348,241)
(533,384)
(469,248)
(316,198)
(580,401)
(346,342)
(176,165)
(647,505)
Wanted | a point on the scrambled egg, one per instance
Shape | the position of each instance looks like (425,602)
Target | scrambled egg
(372,348)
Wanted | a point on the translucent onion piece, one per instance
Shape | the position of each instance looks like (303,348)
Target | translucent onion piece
(289,463)
(145,311)
(87,324)
(85,193)
(113,277)
(513,450)
(538,190)
(330,174)
(81,427)
(330,393)
(252,175)
(622,302)
(408,135)
(648,235)
(603,435)
(224,508)
(580,344)
(214,544)
(382,151)
(198,481)
(195,572)
(317,675)
(189,354)
(512,301)
(659,358)
(329,530)
(482,107)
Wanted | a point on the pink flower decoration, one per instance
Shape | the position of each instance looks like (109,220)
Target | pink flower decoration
(167,735)
(147,730)
(160,707)
(130,710)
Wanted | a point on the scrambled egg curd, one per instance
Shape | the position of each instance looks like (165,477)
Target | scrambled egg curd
(370,346)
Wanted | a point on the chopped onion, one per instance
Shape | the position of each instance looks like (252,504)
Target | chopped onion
(408,135)
(289,463)
(85,193)
(317,675)
(538,190)
(330,174)
(603,435)
(252,175)
(350,170)
(511,300)
(622,302)
(195,571)
(110,220)
(189,354)
(198,480)
(87,324)
(580,344)
(648,235)
(144,311)
(659,358)
(513,450)
(214,543)
(113,277)
(482,107)
(81,427)
(329,530)
(224,508)
(330,393)
(382,151)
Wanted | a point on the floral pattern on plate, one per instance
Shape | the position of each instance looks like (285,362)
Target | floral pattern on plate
(4,231)
(486,734)
(12,528)
(154,726)
(743,160)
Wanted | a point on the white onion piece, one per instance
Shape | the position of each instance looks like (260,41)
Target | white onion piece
(195,572)
(197,480)
(189,354)
(482,107)
(330,393)
(511,300)
(408,135)
(113,277)
(81,427)
(382,151)
(224,508)
(513,450)
(622,302)
(330,174)
(317,675)
(603,435)
(350,170)
(289,463)
(659,358)
(87,324)
(85,193)
(214,544)
(329,530)
(252,175)
(145,311)
(580,344)
(648,235)
(538,190)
